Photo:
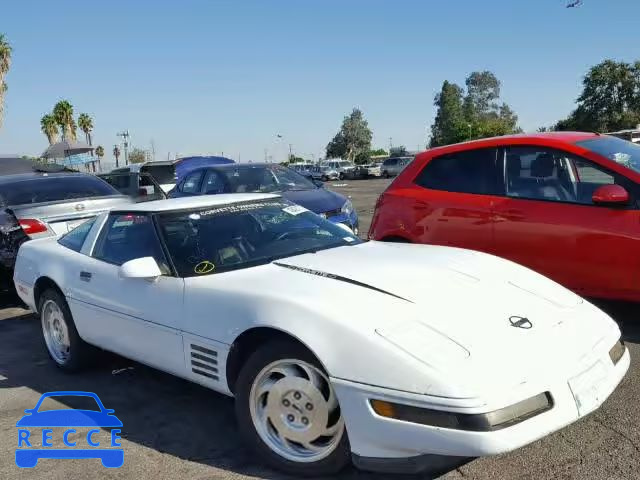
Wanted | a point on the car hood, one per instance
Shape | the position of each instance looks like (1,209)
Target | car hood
(466,305)
(318,200)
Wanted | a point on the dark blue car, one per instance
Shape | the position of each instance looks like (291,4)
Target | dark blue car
(269,178)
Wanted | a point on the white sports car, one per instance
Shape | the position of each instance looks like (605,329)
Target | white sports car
(398,357)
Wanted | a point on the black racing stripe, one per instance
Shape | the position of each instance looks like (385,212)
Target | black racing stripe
(339,278)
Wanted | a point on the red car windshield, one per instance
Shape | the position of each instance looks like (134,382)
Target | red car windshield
(620,151)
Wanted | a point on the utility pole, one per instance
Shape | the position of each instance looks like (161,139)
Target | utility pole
(390,144)
(125,140)
(290,151)
(153,150)
(116,153)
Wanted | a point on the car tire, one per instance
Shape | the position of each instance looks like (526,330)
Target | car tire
(258,395)
(325,178)
(341,176)
(59,334)
(385,174)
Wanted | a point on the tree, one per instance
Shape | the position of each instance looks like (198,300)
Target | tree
(86,125)
(138,155)
(378,152)
(5,63)
(353,141)
(116,154)
(49,127)
(610,99)
(63,114)
(449,125)
(476,114)
(99,153)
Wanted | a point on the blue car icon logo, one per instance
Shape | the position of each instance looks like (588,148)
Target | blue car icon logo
(28,452)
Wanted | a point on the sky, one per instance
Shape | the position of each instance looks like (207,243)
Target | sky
(208,76)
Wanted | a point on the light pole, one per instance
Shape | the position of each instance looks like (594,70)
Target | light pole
(125,140)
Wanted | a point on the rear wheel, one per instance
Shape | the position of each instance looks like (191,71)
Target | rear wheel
(288,412)
(341,176)
(65,347)
(385,174)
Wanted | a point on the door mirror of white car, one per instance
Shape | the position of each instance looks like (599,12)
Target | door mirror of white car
(145,267)
(346,227)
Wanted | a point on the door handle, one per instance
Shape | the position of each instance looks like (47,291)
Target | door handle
(85,276)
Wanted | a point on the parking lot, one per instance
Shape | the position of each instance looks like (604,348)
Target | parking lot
(175,429)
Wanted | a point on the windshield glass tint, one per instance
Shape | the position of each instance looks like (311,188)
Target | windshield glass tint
(54,189)
(241,235)
(163,174)
(620,151)
(262,179)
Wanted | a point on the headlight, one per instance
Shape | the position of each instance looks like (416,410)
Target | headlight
(347,208)
(483,422)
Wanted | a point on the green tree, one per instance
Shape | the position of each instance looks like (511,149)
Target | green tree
(610,99)
(449,125)
(137,155)
(353,141)
(49,127)
(99,153)
(377,152)
(86,125)
(63,114)
(5,64)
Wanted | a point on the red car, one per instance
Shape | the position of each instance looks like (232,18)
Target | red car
(565,204)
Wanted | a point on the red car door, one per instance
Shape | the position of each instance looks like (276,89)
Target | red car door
(447,201)
(548,222)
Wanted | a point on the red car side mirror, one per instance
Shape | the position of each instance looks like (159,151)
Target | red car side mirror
(610,195)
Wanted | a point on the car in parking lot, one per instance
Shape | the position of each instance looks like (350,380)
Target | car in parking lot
(344,168)
(140,187)
(40,204)
(324,173)
(269,178)
(564,204)
(393,166)
(335,349)
(368,170)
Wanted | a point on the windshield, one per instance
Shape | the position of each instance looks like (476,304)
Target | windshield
(620,151)
(259,179)
(163,174)
(241,235)
(54,189)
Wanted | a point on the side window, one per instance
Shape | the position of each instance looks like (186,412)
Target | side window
(213,183)
(473,171)
(540,173)
(126,237)
(76,237)
(192,182)
(390,162)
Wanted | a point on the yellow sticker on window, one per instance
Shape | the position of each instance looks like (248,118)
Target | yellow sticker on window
(204,267)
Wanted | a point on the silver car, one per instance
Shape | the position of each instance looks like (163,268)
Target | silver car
(393,166)
(34,205)
(344,168)
(324,173)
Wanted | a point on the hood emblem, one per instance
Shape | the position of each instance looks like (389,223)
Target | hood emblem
(520,322)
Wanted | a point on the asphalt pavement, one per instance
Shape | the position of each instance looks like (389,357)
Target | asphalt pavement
(177,430)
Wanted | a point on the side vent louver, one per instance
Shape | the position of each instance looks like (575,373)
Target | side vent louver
(204,361)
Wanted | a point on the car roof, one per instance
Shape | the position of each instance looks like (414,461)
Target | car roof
(520,138)
(202,201)
(19,177)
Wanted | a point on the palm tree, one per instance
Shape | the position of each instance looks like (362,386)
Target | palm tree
(5,63)
(116,153)
(86,125)
(99,154)
(49,127)
(63,113)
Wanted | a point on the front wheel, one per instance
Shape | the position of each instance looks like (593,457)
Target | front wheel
(288,411)
(65,347)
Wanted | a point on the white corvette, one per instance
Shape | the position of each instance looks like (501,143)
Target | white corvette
(394,356)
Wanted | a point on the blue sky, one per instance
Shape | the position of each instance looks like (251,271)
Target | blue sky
(200,76)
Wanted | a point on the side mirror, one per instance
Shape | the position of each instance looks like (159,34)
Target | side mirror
(145,267)
(610,195)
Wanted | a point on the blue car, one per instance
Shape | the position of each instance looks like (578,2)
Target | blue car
(269,178)
(67,418)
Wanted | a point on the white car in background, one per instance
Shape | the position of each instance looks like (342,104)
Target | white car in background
(421,354)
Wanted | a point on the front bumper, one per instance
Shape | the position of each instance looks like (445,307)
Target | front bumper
(386,444)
